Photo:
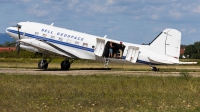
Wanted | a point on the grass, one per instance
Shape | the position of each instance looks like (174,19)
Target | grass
(98,93)
(88,64)
(104,93)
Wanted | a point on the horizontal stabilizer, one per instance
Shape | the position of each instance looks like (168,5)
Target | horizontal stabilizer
(160,61)
(187,63)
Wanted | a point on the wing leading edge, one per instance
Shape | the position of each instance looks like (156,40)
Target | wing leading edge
(46,47)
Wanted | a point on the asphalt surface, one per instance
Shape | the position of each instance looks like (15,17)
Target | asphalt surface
(18,71)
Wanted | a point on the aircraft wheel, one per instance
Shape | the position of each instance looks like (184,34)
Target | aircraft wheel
(65,65)
(42,64)
(155,69)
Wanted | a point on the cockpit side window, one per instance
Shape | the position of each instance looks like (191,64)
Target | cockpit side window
(18,26)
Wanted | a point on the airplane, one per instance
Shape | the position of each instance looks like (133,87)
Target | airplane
(53,41)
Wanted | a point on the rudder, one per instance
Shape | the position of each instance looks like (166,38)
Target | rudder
(167,43)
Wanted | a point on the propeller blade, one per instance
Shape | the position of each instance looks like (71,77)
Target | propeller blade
(18,43)
(18,47)
(19,33)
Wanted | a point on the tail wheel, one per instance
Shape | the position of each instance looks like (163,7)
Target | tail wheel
(65,65)
(155,69)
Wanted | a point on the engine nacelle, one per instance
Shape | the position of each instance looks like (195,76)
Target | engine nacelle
(29,48)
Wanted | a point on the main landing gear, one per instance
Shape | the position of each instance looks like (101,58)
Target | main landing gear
(65,64)
(43,64)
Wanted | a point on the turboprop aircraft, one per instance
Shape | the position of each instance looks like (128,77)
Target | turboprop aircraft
(51,40)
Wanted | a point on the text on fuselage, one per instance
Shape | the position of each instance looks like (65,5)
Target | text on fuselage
(63,34)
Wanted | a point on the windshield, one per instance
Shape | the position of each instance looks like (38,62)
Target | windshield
(18,26)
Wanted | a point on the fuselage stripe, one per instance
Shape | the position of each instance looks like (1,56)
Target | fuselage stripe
(53,41)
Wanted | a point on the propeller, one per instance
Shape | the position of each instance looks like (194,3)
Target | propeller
(18,47)
(18,42)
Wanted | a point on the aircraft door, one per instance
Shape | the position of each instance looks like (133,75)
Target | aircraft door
(132,54)
(99,47)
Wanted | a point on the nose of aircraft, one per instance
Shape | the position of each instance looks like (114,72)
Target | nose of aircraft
(12,32)
(7,30)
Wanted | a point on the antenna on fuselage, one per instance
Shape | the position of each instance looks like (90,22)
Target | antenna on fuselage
(52,24)
(105,36)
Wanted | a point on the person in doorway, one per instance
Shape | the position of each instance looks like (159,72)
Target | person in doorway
(121,47)
(110,49)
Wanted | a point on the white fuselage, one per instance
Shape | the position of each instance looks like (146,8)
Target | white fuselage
(37,37)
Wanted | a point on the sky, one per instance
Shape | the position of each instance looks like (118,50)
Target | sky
(134,21)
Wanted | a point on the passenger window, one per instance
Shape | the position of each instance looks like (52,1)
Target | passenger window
(69,41)
(85,45)
(61,39)
(77,43)
(36,33)
(53,37)
(44,35)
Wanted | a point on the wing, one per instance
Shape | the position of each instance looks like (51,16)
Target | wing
(47,47)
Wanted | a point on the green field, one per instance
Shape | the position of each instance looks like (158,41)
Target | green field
(88,64)
(98,93)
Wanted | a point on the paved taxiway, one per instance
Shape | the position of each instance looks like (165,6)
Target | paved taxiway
(90,72)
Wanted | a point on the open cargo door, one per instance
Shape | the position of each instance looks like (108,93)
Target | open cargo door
(99,47)
(132,54)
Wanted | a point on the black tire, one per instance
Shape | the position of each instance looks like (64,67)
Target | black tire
(42,64)
(155,69)
(65,65)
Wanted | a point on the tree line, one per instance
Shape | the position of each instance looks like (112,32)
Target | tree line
(14,54)
(192,51)
(8,44)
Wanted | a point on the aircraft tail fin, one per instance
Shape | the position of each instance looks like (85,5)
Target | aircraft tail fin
(167,43)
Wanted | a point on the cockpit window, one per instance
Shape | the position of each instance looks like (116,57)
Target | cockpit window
(18,26)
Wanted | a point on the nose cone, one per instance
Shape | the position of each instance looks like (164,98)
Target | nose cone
(7,30)
(12,32)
